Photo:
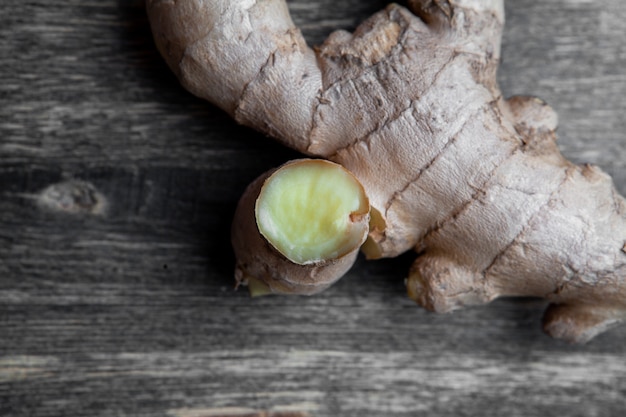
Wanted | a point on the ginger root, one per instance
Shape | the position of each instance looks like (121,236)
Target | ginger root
(409,104)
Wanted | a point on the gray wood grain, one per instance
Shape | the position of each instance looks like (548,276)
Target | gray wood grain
(116,192)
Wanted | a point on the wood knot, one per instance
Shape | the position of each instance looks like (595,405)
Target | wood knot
(72,196)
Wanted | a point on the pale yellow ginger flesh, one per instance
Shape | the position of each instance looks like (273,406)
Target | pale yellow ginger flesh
(312,211)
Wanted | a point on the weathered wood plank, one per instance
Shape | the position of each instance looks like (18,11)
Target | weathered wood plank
(125,306)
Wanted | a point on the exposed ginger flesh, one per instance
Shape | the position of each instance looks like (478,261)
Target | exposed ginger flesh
(312,211)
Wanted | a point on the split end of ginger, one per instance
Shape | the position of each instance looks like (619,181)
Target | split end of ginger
(310,218)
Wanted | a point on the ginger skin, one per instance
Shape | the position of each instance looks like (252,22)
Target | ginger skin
(409,104)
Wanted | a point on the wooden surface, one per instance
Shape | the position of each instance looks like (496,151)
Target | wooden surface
(117,188)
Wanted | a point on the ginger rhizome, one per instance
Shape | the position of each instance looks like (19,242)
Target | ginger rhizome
(409,104)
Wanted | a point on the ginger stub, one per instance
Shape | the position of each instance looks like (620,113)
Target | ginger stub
(299,228)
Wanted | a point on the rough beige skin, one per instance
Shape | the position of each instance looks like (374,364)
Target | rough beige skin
(409,104)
